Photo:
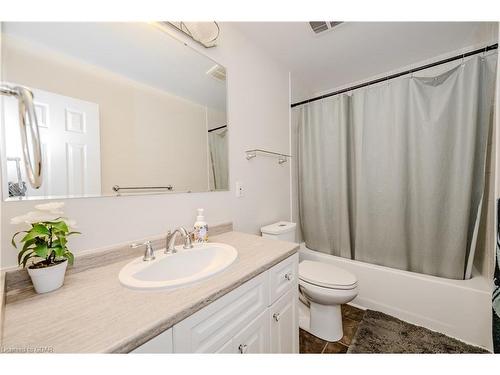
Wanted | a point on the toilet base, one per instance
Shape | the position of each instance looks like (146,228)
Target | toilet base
(326,322)
(304,316)
(323,321)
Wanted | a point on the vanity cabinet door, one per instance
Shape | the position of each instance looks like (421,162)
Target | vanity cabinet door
(210,329)
(159,344)
(254,338)
(283,315)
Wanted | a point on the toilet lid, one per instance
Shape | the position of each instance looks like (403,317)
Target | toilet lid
(326,275)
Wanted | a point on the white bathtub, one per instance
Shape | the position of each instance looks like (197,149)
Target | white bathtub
(458,308)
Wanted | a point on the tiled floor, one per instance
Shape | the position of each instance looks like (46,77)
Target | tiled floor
(351,316)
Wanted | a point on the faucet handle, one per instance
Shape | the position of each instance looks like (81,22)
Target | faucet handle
(188,238)
(188,242)
(149,254)
(136,245)
(170,242)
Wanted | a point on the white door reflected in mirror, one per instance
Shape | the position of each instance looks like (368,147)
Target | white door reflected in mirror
(69,132)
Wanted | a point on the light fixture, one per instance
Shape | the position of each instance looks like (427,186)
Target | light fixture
(204,33)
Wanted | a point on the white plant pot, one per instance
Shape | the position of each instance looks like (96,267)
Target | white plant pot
(49,278)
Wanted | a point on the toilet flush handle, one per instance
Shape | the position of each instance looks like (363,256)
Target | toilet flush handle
(289,276)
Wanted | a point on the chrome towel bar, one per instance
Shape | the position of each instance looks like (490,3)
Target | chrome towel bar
(282,158)
(117,188)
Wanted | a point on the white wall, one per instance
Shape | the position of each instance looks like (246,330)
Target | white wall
(215,118)
(258,117)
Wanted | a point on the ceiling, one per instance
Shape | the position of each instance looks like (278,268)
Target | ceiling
(139,51)
(356,51)
(351,52)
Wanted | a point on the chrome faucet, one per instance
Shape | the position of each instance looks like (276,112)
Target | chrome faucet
(149,254)
(170,240)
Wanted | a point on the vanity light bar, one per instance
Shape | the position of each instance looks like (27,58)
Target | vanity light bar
(282,158)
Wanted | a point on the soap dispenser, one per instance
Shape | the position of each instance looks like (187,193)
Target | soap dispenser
(200,228)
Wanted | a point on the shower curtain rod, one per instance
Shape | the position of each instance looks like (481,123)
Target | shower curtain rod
(220,127)
(396,75)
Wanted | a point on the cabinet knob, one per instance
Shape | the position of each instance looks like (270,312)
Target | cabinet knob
(243,348)
(289,276)
(276,316)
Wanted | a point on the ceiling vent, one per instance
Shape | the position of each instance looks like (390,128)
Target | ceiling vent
(218,72)
(321,26)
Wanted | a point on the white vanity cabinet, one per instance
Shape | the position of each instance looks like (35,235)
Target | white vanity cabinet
(260,316)
(254,338)
(212,329)
(284,327)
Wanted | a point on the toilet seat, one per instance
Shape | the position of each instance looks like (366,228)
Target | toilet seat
(326,275)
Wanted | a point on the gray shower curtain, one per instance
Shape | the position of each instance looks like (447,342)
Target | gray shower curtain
(394,174)
(218,168)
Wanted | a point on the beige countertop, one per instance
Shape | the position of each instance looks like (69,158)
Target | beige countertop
(94,313)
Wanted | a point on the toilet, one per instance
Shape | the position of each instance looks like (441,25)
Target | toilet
(282,230)
(323,286)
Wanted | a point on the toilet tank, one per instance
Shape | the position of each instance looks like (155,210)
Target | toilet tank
(282,230)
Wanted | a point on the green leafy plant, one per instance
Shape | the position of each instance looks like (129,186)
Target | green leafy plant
(46,240)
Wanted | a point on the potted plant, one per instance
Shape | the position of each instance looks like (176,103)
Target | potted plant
(44,249)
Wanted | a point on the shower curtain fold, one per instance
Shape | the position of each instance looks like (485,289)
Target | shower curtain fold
(324,199)
(394,174)
(218,164)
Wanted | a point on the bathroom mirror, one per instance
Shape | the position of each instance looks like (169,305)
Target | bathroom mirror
(122,108)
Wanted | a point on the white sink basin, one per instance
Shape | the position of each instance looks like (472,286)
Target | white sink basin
(179,269)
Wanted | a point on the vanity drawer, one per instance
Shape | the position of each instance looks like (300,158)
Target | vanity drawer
(210,329)
(283,277)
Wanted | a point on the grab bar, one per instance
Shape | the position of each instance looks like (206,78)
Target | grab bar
(117,188)
(28,120)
